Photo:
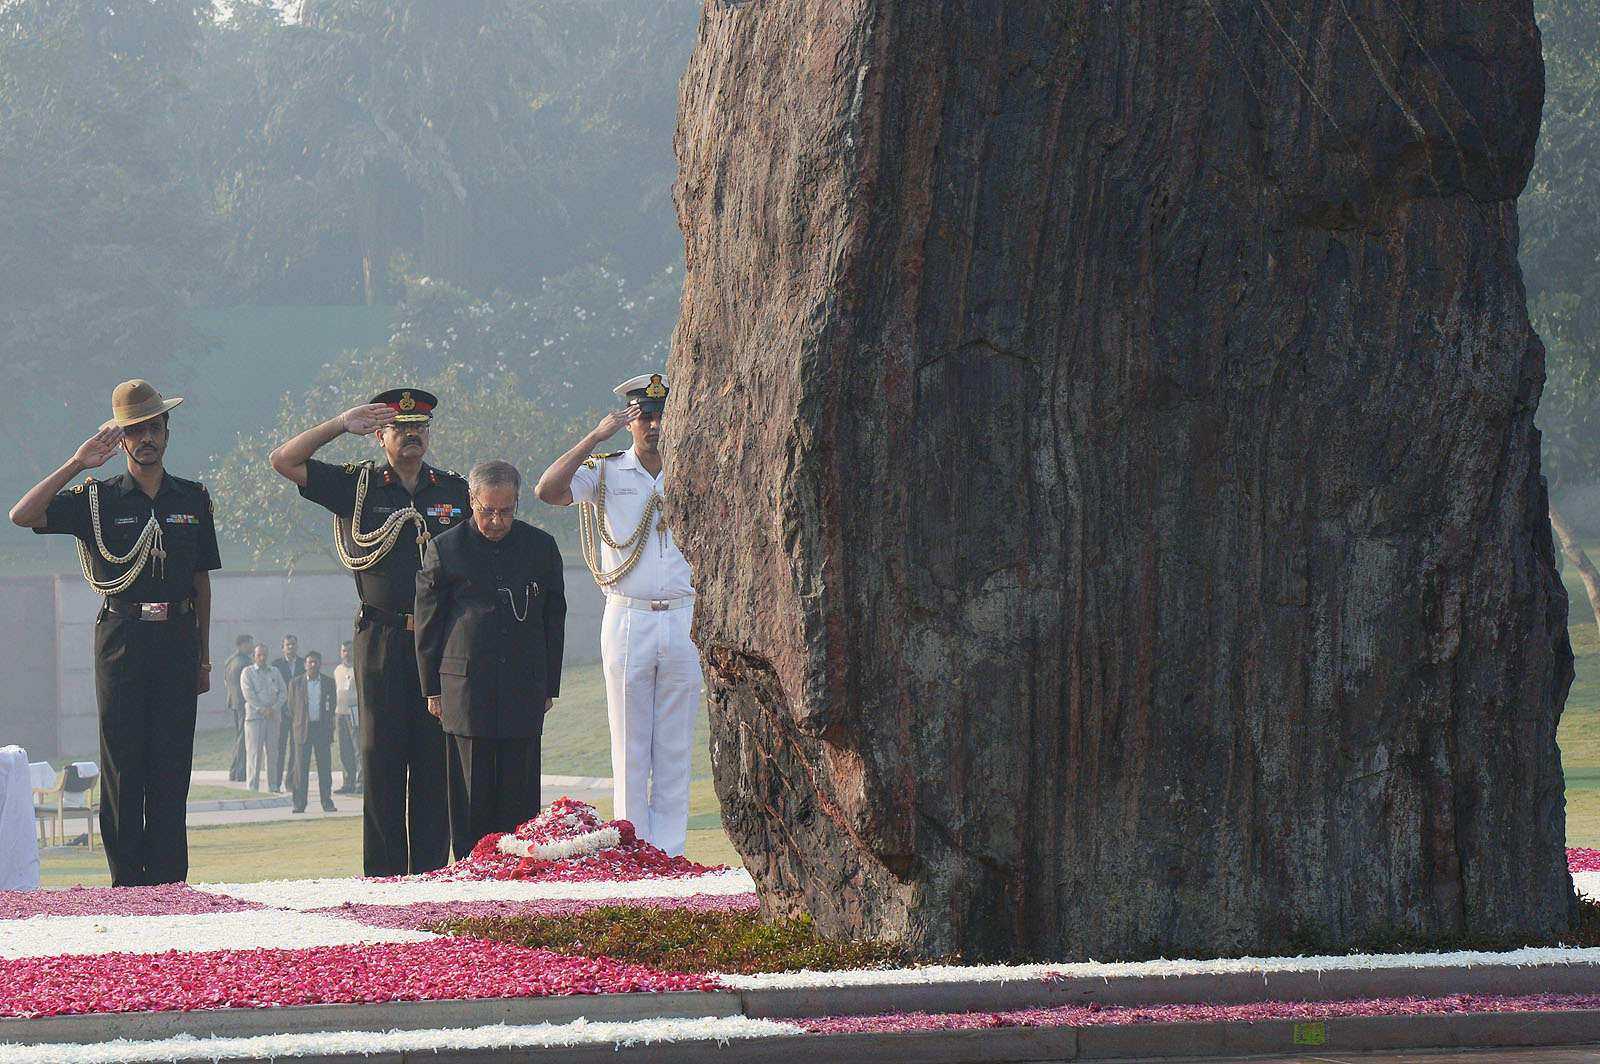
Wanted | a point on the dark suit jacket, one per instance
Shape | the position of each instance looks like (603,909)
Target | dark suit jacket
(300,713)
(231,672)
(493,670)
(290,669)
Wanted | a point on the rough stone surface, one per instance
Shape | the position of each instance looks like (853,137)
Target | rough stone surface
(1103,435)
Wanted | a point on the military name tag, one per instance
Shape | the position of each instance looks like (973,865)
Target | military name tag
(125,521)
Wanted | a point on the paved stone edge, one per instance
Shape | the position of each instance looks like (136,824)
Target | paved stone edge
(1017,1045)
(377,1016)
(783,1003)
(1230,988)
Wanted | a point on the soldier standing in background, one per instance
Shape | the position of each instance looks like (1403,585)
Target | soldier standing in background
(243,646)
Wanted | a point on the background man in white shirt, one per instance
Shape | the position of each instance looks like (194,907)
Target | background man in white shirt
(652,667)
(264,698)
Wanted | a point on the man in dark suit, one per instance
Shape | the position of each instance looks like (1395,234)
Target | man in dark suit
(491,622)
(289,666)
(313,702)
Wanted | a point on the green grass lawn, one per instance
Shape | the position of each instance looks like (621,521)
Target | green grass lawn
(325,847)
(1579,732)
(577,739)
(577,743)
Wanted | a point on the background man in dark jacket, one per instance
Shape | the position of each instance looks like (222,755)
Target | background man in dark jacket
(491,622)
(313,704)
(289,666)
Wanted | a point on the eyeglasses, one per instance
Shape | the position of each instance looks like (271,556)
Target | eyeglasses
(495,515)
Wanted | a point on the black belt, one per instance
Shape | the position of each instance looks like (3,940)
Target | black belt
(149,611)
(388,618)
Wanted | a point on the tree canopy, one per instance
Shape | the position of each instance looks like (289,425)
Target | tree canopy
(1560,252)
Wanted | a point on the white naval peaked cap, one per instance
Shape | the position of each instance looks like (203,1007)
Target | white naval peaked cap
(647,391)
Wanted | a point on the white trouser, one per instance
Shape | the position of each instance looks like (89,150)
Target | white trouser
(652,691)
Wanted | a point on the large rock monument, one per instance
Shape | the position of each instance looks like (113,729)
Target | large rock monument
(1103,435)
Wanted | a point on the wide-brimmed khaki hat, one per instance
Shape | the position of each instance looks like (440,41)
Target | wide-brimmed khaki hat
(135,401)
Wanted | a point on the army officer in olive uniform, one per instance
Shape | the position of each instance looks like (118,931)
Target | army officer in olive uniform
(384,515)
(147,543)
(491,622)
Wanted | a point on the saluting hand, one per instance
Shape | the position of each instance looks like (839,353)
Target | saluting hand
(97,450)
(616,421)
(367,419)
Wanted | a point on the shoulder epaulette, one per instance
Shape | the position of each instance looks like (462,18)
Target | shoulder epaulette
(593,458)
(355,467)
(449,473)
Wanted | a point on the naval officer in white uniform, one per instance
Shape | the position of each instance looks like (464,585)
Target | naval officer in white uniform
(651,665)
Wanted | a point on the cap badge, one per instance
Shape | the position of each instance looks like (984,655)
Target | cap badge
(655,389)
(406,402)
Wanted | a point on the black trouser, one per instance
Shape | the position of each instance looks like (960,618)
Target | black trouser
(236,770)
(405,825)
(282,772)
(494,786)
(145,678)
(319,743)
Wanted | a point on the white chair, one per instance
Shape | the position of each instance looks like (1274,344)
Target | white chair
(74,793)
(80,797)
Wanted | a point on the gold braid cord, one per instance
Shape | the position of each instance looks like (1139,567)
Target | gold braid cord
(592,527)
(381,540)
(148,546)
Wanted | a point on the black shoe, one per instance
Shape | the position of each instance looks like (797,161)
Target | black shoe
(329,807)
(345,790)
(298,809)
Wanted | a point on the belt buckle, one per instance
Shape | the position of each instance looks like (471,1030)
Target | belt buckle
(153,611)
(660,604)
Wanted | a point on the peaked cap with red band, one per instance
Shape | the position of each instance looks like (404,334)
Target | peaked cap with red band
(408,404)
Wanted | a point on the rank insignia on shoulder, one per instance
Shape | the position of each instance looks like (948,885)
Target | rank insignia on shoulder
(593,458)
(80,487)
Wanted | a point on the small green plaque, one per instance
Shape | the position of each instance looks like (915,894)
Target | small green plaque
(1310,1034)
